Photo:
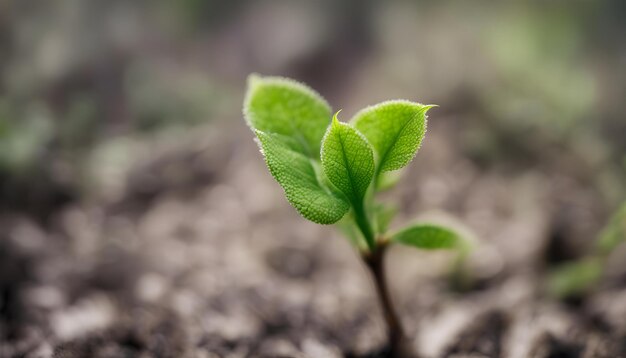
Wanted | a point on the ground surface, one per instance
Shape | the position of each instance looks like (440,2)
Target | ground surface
(190,261)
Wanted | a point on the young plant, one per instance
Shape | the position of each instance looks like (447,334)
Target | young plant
(331,170)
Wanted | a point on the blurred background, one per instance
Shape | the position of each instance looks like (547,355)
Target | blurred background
(137,217)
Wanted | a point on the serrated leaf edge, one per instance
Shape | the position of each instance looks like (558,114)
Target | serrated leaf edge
(335,121)
(255,81)
(424,110)
(321,184)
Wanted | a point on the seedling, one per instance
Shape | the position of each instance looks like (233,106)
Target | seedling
(331,171)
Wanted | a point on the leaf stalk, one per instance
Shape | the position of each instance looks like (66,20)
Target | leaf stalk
(363,223)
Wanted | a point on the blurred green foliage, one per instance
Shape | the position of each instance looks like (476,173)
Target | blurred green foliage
(577,277)
(614,233)
(23,138)
(159,100)
(538,55)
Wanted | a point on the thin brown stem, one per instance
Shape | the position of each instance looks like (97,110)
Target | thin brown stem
(396,335)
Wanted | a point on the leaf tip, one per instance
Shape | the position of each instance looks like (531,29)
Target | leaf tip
(429,106)
(336,117)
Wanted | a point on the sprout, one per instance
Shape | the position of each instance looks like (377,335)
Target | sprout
(330,170)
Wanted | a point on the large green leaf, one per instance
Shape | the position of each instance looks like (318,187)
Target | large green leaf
(297,175)
(286,107)
(347,160)
(395,129)
(428,237)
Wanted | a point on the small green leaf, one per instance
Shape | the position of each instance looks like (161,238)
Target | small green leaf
(284,106)
(428,237)
(297,175)
(347,160)
(395,129)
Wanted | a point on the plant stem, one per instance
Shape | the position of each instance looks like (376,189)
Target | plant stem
(375,261)
(395,333)
(364,225)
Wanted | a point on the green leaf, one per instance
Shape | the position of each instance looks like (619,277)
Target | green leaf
(428,237)
(284,106)
(395,129)
(297,175)
(347,160)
